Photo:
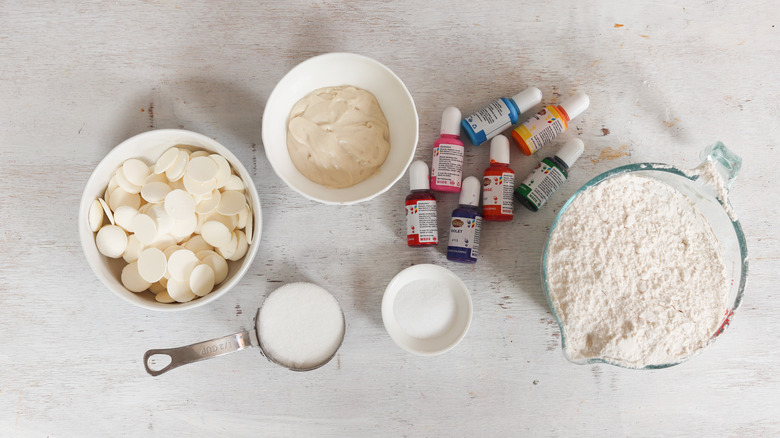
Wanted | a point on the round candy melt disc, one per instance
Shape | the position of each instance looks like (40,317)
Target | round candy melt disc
(223,169)
(123,216)
(135,171)
(155,191)
(125,183)
(132,280)
(164,297)
(196,244)
(145,228)
(176,171)
(155,177)
(234,182)
(202,169)
(216,234)
(166,160)
(202,280)
(231,202)
(241,246)
(181,263)
(217,263)
(179,204)
(111,241)
(197,188)
(250,227)
(152,264)
(120,197)
(95,215)
(134,247)
(156,287)
(107,210)
(180,290)
(183,229)
(171,249)
(207,206)
(228,250)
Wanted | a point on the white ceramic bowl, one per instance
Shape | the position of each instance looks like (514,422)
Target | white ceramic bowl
(448,336)
(336,69)
(148,147)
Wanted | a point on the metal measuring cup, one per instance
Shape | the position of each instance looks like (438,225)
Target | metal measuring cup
(225,345)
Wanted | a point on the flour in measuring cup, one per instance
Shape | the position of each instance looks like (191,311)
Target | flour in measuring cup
(636,274)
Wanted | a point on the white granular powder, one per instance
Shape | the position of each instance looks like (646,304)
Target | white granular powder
(425,308)
(636,274)
(300,325)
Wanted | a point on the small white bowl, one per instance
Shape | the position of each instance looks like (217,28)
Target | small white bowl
(448,336)
(337,69)
(148,146)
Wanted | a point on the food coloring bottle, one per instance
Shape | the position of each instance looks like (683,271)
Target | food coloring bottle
(447,166)
(548,123)
(499,115)
(548,176)
(422,228)
(498,183)
(465,225)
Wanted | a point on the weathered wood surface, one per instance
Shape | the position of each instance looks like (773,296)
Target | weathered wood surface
(665,80)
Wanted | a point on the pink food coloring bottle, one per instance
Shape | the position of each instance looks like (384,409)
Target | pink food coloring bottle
(447,166)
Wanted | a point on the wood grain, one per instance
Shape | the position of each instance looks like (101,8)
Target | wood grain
(665,80)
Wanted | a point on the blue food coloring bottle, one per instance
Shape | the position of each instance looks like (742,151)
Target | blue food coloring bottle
(465,224)
(499,115)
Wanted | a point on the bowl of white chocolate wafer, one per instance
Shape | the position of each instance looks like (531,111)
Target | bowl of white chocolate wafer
(170,220)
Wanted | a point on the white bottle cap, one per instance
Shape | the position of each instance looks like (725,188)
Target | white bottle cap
(499,149)
(527,98)
(469,191)
(418,176)
(450,121)
(576,104)
(570,151)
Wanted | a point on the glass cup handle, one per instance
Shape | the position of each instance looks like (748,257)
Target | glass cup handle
(726,162)
(200,351)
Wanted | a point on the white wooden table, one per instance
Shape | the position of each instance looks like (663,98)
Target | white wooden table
(665,80)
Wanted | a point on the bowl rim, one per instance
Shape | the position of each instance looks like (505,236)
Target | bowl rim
(618,171)
(87,237)
(277,91)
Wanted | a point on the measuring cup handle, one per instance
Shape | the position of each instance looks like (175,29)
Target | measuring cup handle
(727,162)
(196,352)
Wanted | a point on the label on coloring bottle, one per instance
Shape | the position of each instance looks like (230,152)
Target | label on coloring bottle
(541,183)
(490,120)
(541,128)
(464,236)
(421,224)
(497,194)
(447,166)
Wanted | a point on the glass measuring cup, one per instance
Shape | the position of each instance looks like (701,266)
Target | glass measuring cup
(254,338)
(710,200)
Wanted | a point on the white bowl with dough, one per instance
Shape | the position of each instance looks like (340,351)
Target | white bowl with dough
(148,147)
(332,70)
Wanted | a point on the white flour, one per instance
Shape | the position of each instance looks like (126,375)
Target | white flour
(636,274)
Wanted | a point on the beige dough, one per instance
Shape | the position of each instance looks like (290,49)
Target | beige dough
(338,136)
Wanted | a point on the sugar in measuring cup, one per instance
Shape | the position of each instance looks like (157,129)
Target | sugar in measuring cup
(300,326)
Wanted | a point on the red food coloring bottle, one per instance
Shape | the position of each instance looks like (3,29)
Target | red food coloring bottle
(498,183)
(422,228)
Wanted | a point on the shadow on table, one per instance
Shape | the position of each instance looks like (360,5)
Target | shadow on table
(219,109)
